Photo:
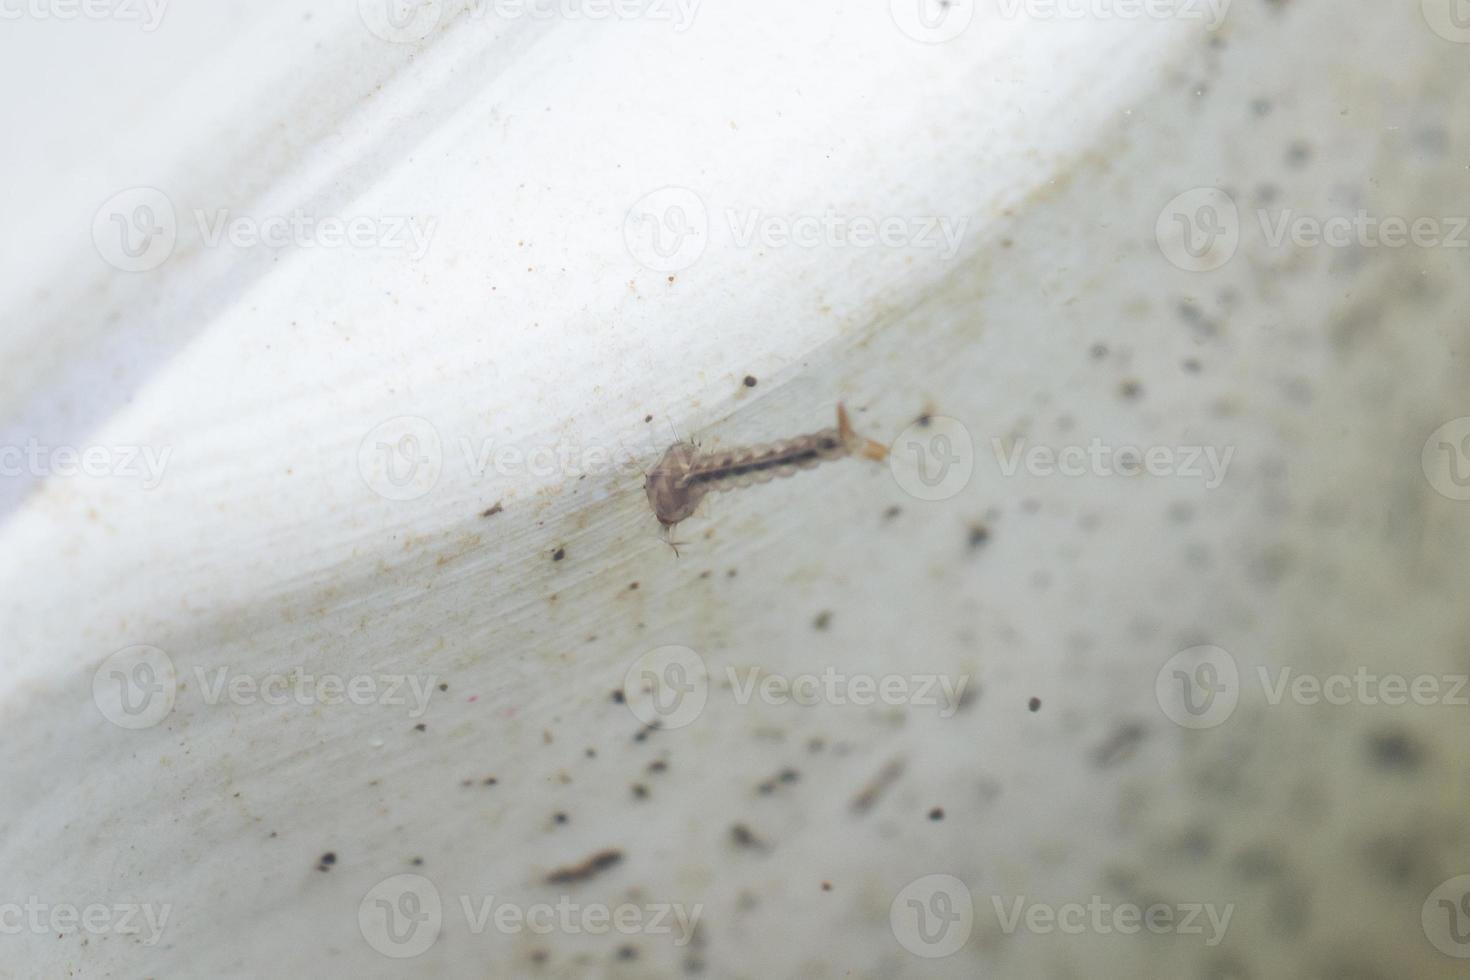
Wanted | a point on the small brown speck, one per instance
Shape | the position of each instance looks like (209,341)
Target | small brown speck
(658,765)
(443,687)
(823,620)
(631,952)
(417,862)
(892,512)
(826,886)
(750,381)
(1034,704)
(632,586)
(937,813)
(618,697)
(743,836)
(640,792)
(420,727)
(558,554)
(648,418)
(1130,390)
(979,534)
(589,868)
(1120,745)
(559,817)
(493,510)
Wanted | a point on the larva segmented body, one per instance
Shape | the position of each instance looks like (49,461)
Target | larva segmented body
(682,477)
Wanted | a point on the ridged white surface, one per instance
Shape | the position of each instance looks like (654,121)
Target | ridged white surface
(530,323)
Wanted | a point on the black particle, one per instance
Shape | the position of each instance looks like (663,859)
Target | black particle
(937,813)
(1034,704)
(1395,750)
(978,536)
(558,554)
(750,381)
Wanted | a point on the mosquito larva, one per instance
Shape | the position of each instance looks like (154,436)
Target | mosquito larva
(683,476)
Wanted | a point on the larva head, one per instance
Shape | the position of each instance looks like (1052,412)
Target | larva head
(670,501)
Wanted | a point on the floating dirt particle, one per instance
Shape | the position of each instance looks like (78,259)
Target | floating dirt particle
(750,381)
(870,794)
(491,512)
(1119,746)
(979,534)
(558,554)
(589,868)
(1034,704)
